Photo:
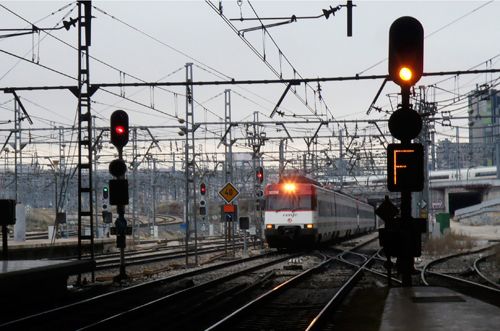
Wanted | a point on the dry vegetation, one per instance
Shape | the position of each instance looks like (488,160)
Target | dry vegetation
(496,259)
(39,220)
(448,244)
(172,208)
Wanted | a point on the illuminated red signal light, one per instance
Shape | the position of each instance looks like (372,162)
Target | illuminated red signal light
(119,128)
(259,174)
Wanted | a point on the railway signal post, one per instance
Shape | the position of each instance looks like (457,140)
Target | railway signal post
(118,188)
(7,217)
(405,169)
(229,212)
(203,205)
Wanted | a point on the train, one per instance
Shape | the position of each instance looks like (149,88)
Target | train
(374,182)
(301,212)
(472,173)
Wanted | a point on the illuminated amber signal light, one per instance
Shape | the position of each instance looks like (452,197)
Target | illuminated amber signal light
(290,187)
(405,167)
(405,74)
(398,166)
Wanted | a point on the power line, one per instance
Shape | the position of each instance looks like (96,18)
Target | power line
(37,64)
(438,30)
(159,41)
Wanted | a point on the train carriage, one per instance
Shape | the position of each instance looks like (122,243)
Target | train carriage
(299,212)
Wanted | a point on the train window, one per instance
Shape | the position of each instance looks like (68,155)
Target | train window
(324,208)
(437,177)
(290,202)
(365,214)
(346,211)
(486,174)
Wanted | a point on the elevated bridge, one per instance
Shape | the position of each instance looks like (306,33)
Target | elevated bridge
(448,196)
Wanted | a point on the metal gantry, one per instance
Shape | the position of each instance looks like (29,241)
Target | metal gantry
(84,93)
(190,164)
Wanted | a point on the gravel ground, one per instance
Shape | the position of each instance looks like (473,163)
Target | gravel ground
(150,271)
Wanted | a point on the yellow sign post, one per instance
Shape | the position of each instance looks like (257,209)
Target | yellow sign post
(229,192)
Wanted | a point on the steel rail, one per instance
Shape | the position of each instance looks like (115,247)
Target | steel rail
(447,257)
(223,324)
(322,318)
(469,283)
(483,276)
(342,256)
(375,272)
(266,297)
(158,256)
(122,295)
(139,310)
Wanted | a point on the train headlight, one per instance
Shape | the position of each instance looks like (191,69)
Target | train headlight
(269,226)
(308,226)
(290,187)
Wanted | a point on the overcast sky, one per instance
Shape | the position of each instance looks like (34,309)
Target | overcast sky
(153,40)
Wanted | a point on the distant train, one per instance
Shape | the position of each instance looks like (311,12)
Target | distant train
(473,173)
(301,212)
(377,181)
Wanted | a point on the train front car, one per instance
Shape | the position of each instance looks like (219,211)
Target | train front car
(290,216)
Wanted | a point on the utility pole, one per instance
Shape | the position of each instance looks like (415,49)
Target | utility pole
(18,146)
(282,157)
(341,159)
(190,165)
(135,204)
(83,92)
(257,141)
(153,187)
(61,200)
(228,164)
(95,179)
(458,154)
(17,150)
(426,111)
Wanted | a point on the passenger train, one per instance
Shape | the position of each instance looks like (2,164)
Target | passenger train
(301,212)
(378,181)
(473,173)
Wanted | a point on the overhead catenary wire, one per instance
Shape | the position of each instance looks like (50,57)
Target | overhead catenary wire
(256,52)
(282,55)
(432,33)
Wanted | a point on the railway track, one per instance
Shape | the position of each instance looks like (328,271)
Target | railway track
(115,307)
(138,257)
(468,280)
(218,297)
(487,274)
(304,302)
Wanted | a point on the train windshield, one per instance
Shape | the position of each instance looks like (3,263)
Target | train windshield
(290,202)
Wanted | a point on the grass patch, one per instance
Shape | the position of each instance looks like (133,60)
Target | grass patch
(450,243)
